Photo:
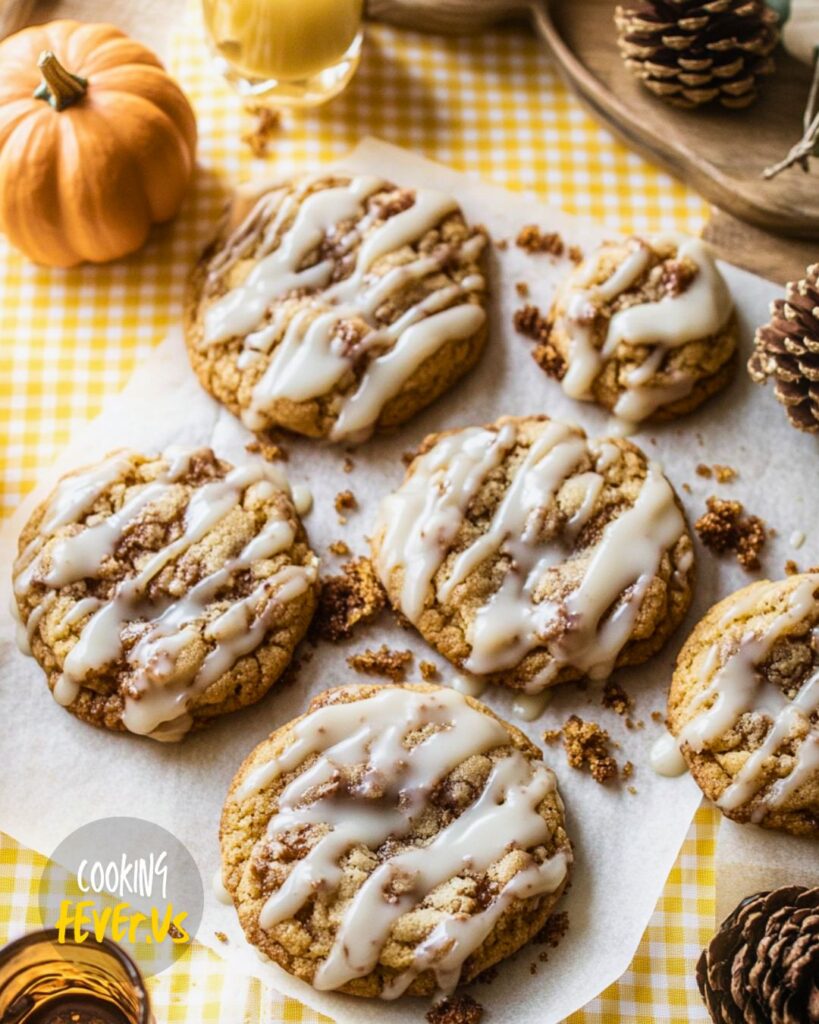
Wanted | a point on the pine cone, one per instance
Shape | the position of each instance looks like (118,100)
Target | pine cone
(787,348)
(762,966)
(692,52)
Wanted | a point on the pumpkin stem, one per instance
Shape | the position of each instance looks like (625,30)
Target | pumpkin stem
(59,87)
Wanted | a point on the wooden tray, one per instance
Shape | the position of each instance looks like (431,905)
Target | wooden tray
(720,153)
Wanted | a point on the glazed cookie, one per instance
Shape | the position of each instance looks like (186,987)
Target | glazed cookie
(394,839)
(334,306)
(644,327)
(744,704)
(158,592)
(528,554)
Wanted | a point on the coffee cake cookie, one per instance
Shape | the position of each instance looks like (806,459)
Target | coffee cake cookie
(334,306)
(394,839)
(644,327)
(158,592)
(744,704)
(528,554)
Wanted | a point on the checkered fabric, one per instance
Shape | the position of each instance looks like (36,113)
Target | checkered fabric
(492,106)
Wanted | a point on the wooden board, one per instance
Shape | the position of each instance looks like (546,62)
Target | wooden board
(718,152)
(721,153)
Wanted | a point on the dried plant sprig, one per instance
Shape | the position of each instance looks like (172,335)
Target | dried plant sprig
(808,145)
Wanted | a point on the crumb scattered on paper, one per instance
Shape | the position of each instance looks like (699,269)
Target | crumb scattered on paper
(460,1009)
(345,501)
(354,596)
(339,547)
(725,528)
(587,748)
(428,670)
(269,450)
(616,699)
(532,240)
(384,662)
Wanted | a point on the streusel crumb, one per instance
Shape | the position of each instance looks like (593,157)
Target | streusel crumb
(345,501)
(346,600)
(462,1009)
(428,670)
(587,747)
(269,450)
(616,699)
(383,662)
(532,240)
(724,528)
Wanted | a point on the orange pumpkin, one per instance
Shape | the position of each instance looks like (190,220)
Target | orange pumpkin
(97,142)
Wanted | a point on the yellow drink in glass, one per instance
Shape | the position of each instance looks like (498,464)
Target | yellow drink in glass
(286,52)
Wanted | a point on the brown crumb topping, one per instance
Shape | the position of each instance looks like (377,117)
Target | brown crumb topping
(339,547)
(502,244)
(355,596)
(575,254)
(531,323)
(428,670)
(627,770)
(678,275)
(616,699)
(345,501)
(522,288)
(552,735)
(532,240)
(221,937)
(268,122)
(269,450)
(348,465)
(554,930)
(724,528)
(656,716)
(791,568)
(383,662)
(587,748)
(722,474)
(462,1009)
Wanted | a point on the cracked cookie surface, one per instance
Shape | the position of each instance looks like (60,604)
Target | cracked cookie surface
(527,554)
(643,327)
(744,704)
(338,305)
(158,592)
(435,828)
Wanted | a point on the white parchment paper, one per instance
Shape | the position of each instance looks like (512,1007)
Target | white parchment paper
(58,773)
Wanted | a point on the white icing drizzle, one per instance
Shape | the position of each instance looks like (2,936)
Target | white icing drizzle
(309,358)
(674,320)
(529,706)
(666,757)
(162,685)
(422,520)
(472,686)
(219,890)
(371,733)
(302,499)
(736,687)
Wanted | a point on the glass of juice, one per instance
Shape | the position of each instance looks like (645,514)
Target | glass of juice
(43,981)
(285,53)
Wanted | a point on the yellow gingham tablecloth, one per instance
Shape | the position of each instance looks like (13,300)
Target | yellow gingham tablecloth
(491,106)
